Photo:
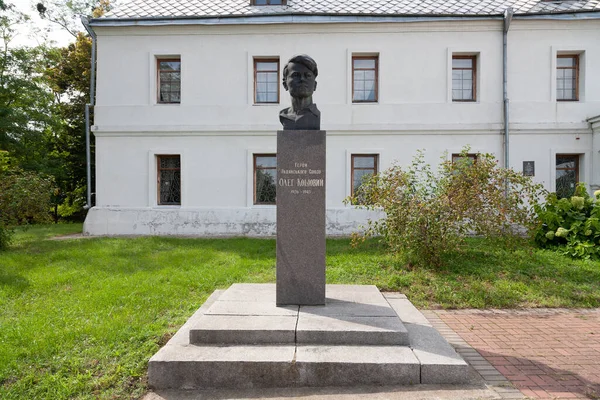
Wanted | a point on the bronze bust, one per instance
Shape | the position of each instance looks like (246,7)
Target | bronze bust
(299,78)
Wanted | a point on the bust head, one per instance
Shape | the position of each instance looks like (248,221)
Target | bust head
(299,76)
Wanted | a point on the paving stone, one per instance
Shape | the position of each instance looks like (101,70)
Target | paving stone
(350,330)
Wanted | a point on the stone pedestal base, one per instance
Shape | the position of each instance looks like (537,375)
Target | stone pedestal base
(240,339)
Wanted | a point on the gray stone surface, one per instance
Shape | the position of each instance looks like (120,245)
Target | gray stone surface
(243,329)
(194,367)
(250,308)
(356,365)
(300,217)
(439,361)
(346,362)
(350,330)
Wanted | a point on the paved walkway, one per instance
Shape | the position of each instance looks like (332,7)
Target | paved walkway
(545,353)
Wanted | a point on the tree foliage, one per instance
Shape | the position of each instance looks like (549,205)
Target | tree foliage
(428,214)
(43,92)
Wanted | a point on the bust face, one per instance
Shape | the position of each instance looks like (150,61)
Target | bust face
(300,81)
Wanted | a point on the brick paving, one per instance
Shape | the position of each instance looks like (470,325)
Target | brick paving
(545,353)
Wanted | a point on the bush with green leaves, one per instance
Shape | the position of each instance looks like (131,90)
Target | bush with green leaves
(571,225)
(428,214)
(25,197)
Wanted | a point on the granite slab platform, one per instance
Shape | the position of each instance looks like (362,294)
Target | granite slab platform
(239,338)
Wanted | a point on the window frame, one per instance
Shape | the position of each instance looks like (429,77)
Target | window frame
(352,168)
(376,69)
(267,59)
(158,71)
(577,169)
(474,58)
(158,180)
(254,169)
(472,156)
(576,69)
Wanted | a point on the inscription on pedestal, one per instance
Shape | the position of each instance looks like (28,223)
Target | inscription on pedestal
(300,217)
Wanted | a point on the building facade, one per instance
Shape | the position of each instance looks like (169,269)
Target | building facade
(188,98)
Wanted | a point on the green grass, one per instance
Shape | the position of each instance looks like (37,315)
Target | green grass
(79,318)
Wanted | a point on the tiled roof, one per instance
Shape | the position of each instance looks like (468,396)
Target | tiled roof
(233,8)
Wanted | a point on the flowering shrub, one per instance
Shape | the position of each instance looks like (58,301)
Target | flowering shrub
(571,225)
(428,214)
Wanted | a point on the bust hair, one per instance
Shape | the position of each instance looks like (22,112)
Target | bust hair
(303,59)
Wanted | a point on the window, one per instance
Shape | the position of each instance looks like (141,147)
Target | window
(268,2)
(169,179)
(567,78)
(265,178)
(470,157)
(266,80)
(364,79)
(169,80)
(464,78)
(567,174)
(362,166)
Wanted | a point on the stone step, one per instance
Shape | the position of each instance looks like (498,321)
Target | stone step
(303,329)
(247,314)
(195,367)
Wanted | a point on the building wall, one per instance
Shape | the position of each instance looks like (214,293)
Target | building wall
(217,128)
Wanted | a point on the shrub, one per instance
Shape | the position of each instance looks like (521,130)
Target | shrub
(25,197)
(428,214)
(571,225)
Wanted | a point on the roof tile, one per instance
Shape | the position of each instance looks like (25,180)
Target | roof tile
(231,8)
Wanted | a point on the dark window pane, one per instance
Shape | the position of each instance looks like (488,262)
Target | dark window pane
(169,177)
(565,161)
(170,65)
(265,186)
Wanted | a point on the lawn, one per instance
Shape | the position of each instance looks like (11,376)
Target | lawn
(81,317)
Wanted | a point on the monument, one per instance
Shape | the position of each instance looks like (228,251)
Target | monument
(290,334)
(300,190)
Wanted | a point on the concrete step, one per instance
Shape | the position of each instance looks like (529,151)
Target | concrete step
(261,366)
(247,314)
(358,338)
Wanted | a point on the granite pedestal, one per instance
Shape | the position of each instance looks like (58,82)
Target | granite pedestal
(240,339)
(300,217)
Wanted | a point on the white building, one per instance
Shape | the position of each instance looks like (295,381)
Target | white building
(194,86)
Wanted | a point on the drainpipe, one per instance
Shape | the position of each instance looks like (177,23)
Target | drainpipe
(508,14)
(86,24)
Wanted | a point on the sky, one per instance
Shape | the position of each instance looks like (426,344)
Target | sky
(29,34)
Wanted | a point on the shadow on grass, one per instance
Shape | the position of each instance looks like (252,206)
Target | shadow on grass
(14,281)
